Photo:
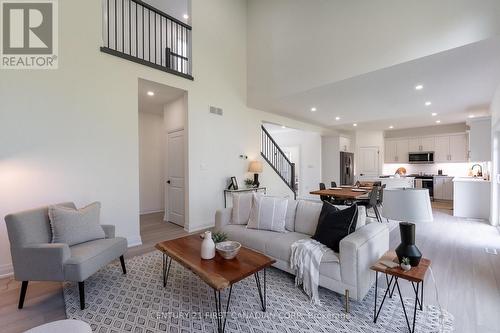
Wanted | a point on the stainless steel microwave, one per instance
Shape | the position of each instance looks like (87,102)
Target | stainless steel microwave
(421,157)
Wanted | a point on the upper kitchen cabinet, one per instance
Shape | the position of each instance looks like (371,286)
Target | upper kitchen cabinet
(396,151)
(421,144)
(451,148)
(480,140)
(345,144)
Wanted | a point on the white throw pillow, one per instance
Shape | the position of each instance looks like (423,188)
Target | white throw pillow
(290,215)
(306,219)
(242,204)
(75,226)
(268,213)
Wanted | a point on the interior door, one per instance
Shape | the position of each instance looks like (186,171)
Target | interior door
(175,179)
(368,165)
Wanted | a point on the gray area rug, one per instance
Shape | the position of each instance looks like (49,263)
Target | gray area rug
(137,302)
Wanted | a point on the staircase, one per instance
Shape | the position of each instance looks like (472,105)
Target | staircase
(277,159)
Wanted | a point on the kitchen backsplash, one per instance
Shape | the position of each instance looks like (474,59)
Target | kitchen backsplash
(450,169)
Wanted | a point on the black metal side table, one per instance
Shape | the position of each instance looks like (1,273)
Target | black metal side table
(415,276)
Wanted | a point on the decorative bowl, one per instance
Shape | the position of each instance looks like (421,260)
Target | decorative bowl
(228,249)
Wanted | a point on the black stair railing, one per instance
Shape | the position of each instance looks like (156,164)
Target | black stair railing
(139,32)
(277,159)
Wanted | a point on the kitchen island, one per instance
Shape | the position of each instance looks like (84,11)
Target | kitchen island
(471,197)
(392,181)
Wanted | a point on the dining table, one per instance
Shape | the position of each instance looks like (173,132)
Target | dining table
(344,192)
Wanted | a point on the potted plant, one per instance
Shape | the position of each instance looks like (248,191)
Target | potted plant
(219,237)
(249,183)
(405,264)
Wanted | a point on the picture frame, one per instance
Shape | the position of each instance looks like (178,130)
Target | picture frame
(233,184)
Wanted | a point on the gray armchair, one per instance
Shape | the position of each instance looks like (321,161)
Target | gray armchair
(35,258)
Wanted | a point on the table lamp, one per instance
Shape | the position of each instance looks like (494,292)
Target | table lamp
(256,168)
(411,205)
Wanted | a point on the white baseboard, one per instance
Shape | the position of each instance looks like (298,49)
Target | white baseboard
(151,212)
(202,227)
(134,241)
(6,270)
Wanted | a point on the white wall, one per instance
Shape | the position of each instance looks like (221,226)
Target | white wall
(309,144)
(151,162)
(72,133)
(330,159)
(495,147)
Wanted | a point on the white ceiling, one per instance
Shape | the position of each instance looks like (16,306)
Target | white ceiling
(162,95)
(361,60)
(175,8)
(458,82)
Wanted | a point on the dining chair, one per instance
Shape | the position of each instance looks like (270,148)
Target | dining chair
(322,186)
(372,202)
(334,184)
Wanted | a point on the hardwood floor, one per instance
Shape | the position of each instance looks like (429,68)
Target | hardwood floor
(467,277)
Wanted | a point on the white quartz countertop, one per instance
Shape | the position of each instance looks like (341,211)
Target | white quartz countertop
(470,179)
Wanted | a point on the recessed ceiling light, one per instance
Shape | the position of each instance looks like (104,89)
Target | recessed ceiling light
(419,87)
(434,114)
(283,126)
(428,103)
(186,16)
(438,121)
(313,109)
(471,116)
(150,93)
(391,127)
(337,118)
(354,124)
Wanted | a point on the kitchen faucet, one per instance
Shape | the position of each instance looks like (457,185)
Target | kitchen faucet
(480,173)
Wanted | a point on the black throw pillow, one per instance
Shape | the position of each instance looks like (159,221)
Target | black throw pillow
(335,224)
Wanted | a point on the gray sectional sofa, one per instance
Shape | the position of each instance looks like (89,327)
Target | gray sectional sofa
(347,270)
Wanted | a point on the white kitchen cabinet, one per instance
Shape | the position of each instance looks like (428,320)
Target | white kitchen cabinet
(390,151)
(421,144)
(451,148)
(396,151)
(458,148)
(402,151)
(345,144)
(480,140)
(428,143)
(443,188)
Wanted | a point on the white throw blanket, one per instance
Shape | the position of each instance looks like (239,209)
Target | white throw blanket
(305,261)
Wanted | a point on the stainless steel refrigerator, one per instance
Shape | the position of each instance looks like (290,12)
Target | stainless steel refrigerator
(346,168)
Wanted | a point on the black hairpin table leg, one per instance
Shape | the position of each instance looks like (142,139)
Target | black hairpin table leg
(167,262)
(221,316)
(262,294)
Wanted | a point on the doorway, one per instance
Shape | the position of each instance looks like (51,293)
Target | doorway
(162,153)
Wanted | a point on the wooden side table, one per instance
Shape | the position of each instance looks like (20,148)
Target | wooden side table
(415,276)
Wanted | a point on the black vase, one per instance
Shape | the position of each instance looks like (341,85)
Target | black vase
(407,248)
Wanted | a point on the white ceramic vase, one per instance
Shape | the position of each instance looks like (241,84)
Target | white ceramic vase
(207,246)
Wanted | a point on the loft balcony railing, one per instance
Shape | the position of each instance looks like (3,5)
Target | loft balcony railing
(138,32)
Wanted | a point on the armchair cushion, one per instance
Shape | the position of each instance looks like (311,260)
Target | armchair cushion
(75,226)
(87,258)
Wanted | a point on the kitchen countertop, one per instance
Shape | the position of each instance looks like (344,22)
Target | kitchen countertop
(471,180)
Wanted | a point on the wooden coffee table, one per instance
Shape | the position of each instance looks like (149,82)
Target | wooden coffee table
(415,276)
(218,272)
